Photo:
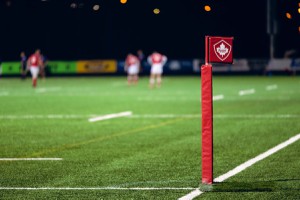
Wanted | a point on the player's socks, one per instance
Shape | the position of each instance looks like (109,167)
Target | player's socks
(151,83)
(158,82)
(34,82)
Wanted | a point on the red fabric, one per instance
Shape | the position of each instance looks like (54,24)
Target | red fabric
(156,58)
(220,49)
(34,60)
(131,60)
(207,124)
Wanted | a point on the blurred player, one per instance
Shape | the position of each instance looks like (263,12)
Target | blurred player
(23,64)
(157,61)
(132,65)
(34,62)
(0,67)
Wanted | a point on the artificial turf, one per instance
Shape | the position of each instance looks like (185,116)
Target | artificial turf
(158,146)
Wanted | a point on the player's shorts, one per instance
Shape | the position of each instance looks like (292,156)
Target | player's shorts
(34,71)
(156,69)
(133,69)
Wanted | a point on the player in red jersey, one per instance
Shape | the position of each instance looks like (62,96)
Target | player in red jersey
(157,61)
(132,64)
(34,62)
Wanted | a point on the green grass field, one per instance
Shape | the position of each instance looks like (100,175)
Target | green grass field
(158,146)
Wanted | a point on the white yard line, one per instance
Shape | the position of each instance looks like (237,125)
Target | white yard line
(218,97)
(110,116)
(246,92)
(245,165)
(28,159)
(95,188)
(271,87)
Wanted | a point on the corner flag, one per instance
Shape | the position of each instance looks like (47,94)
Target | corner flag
(217,50)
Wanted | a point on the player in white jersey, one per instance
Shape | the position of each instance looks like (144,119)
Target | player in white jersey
(157,61)
(132,64)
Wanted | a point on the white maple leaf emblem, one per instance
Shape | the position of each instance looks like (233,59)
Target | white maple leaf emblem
(222,50)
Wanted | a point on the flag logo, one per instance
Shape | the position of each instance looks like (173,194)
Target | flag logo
(222,50)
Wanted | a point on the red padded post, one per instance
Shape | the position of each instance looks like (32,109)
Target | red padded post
(207,124)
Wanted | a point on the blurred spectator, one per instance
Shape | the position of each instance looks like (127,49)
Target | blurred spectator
(34,62)
(132,65)
(43,66)
(23,65)
(291,53)
(157,61)
(141,57)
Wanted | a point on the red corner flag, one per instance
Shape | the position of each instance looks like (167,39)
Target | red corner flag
(217,50)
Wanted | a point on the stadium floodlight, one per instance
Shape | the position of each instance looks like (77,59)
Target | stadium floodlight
(73,5)
(288,15)
(156,11)
(217,50)
(96,7)
(8,3)
(207,8)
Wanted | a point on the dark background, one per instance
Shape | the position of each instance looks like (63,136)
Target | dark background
(65,33)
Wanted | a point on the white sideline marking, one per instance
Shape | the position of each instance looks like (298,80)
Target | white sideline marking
(137,116)
(271,87)
(260,157)
(219,116)
(192,195)
(246,92)
(94,188)
(218,97)
(167,99)
(244,166)
(18,159)
(250,116)
(110,116)
(166,116)
(42,116)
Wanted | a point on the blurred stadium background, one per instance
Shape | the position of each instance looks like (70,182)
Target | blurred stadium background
(155,153)
(71,31)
